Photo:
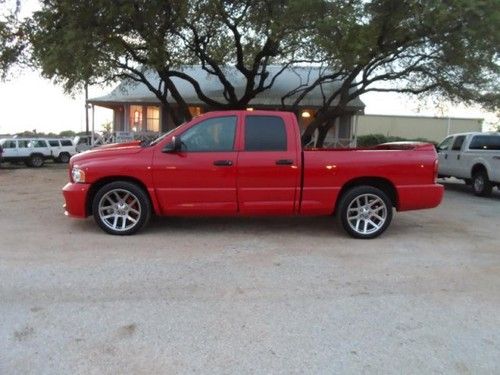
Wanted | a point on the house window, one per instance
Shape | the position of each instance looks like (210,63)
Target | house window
(153,119)
(136,118)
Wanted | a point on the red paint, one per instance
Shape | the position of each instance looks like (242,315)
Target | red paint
(188,183)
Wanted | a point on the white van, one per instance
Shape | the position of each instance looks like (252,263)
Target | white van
(32,151)
(472,157)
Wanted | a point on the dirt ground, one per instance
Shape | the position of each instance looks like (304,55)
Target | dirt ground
(246,296)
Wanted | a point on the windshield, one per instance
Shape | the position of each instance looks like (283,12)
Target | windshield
(162,137)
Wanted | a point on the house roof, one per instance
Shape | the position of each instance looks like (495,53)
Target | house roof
(129,91)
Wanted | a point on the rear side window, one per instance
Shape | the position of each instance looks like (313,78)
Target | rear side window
(265,133)
(459,141)
(54,143)
(66,142)
(485,142)
(39,143)
(23,144)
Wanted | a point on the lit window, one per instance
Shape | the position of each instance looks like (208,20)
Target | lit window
(136,117)
(153,119)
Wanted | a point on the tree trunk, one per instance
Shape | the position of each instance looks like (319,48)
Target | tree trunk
(322,133)
(311,128)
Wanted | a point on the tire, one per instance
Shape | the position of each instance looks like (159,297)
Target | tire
(36,161)
(64,158)
(121,208)
(481,184)
(364,212)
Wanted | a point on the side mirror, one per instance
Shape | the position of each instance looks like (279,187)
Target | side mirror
(174,145)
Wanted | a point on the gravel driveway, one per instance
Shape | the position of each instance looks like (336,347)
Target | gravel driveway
(245,296)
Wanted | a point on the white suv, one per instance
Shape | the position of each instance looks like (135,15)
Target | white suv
(32,151)
(62,149)
(473,157)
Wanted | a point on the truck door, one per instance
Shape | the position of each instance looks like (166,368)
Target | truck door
(455,156)
(444,163)
(268,167)
(201,177)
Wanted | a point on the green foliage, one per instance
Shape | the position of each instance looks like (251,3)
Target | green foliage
(13,43)
(376,139)
(107,127)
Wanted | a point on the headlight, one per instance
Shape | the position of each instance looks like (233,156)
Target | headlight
(78,175)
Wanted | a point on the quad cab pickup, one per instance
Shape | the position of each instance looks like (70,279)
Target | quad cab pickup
(249,163)
(472,157)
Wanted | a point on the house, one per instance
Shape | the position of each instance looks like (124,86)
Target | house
(137,109)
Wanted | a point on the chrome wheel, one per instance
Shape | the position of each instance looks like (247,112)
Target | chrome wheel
(119,210)
(367,214)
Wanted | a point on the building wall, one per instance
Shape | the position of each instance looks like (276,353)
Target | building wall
(431,128)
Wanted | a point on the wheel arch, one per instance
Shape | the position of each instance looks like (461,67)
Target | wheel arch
(478,167)
(106,180)
(378,182)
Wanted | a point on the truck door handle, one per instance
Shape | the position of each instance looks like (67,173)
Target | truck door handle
(446,156)
(284,162)
(496,157)
(223,163)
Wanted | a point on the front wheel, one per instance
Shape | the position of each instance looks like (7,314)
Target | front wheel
(481,184)
(365,212)
(121,208)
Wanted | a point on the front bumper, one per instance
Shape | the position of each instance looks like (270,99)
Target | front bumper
(75,196)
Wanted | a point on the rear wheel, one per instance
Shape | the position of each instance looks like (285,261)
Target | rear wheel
(365,212)
(36,161)
(121,208)
(64,157)
(481,184)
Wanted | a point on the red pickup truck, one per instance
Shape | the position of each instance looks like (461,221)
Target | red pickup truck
(249,163)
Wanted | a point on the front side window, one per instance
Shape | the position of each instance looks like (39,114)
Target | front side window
(9,143)
(265,133)
(443,146)
(215,134)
